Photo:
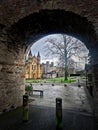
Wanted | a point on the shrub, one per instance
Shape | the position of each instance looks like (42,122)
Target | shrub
(28,88)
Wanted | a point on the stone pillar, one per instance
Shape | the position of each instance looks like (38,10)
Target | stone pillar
(11,74)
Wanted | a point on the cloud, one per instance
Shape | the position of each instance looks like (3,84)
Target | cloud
(39,47)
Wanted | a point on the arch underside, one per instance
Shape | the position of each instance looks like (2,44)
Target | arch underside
(38,25)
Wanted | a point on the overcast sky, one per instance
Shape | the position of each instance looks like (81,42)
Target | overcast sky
(39,47)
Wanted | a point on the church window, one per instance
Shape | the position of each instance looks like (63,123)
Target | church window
(33,67)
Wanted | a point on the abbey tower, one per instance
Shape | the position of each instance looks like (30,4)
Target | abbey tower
(33,67)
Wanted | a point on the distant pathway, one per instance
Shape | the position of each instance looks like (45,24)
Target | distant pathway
(73,97)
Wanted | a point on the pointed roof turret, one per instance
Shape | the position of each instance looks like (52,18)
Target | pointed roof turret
(30,54)
(38,55)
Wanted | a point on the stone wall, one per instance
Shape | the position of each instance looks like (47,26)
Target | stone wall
(11,75)
(14,10)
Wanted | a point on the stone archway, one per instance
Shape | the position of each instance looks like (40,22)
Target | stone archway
(38,25)
(16,39)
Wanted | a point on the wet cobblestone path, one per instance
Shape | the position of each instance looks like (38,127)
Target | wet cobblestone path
(77,112)
(73,97)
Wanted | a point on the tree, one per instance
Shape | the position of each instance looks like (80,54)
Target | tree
(65,49)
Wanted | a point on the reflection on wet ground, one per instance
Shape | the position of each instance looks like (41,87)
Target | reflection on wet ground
(73,97)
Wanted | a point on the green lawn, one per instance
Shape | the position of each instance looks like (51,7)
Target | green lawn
(61,79)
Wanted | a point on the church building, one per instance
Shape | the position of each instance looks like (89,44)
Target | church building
(33,67)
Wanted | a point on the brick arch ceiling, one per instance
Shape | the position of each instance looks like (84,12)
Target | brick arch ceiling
(46,22)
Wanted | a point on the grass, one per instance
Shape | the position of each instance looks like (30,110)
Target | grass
(61,79)
(33,80)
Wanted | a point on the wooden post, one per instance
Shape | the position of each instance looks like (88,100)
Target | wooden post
(79,83)
(25,108)
(59,123)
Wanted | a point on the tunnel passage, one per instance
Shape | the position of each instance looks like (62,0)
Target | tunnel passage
(17,39)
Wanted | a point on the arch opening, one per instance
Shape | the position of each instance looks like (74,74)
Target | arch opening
(54,21)
(41,79)
(26,31)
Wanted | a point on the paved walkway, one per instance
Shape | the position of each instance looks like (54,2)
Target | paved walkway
(43,118)
(73,97)
(77,112)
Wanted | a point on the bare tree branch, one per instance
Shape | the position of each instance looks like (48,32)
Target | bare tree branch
(65,49)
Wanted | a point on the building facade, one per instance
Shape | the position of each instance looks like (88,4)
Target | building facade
(48,70)
(33,67)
